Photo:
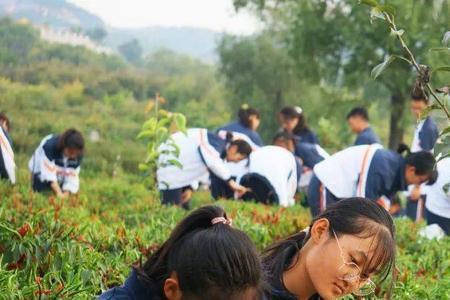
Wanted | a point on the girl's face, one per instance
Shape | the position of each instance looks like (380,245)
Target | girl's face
(412,178)
(288,124)
(254,122)
(233,155)
(72,153)
(333,268)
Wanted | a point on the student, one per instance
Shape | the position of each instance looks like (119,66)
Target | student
(367,171)
(426,132)
(245,127)
(273,175)
(337,255)
(293,120)
(358,121)
(200,152)
(204,258)
(7,164)
(308,154)
(425,136)
(55,165)
(438,198)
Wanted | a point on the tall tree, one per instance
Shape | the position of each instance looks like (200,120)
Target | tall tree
(334,41)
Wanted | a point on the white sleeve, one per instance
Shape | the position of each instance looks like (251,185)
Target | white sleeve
(48,169)
(72,181)
(213,161)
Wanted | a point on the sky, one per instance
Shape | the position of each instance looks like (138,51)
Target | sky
(217,15)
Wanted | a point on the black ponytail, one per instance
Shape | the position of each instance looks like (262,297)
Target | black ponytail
(244,114)
(354,216)
(210,261)
(403,148)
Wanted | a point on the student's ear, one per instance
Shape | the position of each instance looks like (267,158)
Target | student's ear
(171,288)
(320,231)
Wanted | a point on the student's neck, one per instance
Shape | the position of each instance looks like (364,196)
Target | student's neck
(363,127)
(298,275)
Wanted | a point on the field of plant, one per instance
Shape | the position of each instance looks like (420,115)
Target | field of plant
(75,248)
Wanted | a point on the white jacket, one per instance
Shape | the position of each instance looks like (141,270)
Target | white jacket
(438,194)
(340,172)
(8,156)
(196,157)
(279,167)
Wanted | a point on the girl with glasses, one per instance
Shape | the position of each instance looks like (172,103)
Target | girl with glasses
(344,247)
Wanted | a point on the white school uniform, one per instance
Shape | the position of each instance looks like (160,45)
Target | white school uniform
(279,167)
(8,157)
(438,194)
(340,173)
(196,157)
(49,171)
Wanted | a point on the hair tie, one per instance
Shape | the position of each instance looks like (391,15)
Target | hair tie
(222,220)
(298,109)
(244,106)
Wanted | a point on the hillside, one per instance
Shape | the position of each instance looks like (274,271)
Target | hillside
(60,14)
(55,13)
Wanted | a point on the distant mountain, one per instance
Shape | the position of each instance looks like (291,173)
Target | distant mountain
(54,13)
(199,43)
(59,14)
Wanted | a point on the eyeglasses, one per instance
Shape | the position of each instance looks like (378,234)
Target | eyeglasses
(352,272)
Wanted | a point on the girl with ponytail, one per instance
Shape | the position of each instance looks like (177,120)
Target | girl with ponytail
(245,127)
(340,252)
(292,119)
(204,258)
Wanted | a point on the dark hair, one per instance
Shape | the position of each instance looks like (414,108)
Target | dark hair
(242,147)
(354,216)
(3,117)
(295,112)
(358,112)
(71,138)
(423,161)
(285,136)
(418,93)
(210,261)
(244,114)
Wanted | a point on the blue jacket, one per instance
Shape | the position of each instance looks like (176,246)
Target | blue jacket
(386,175)
(367,137)
(308,153)
(307,136)
(429,134)
(238,127)
(133,289)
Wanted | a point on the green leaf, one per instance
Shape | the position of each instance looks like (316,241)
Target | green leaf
(389,9)
(174,162)
(371,3)
(442,69)
(445,131)
(145,134)
(180,122)
(376,13)
(377,70)
(150,124)
(440,49)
